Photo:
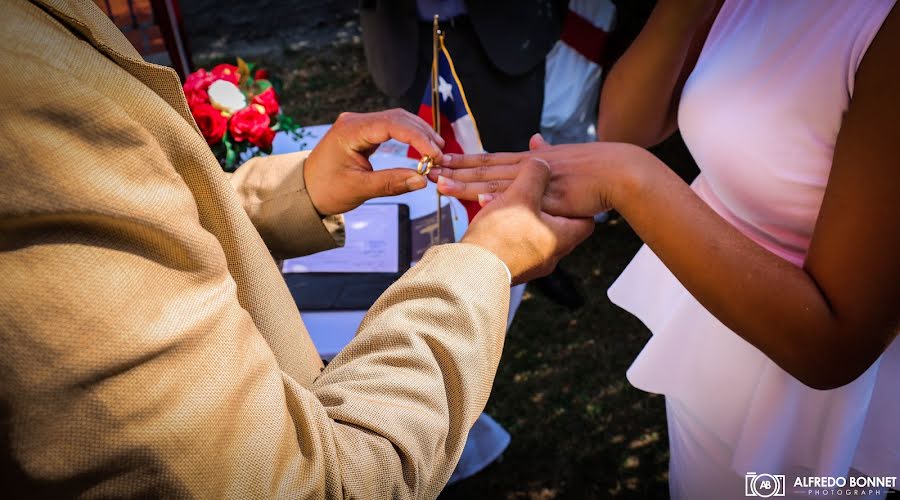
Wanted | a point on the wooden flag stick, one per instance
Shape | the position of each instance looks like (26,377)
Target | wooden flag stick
(436,106)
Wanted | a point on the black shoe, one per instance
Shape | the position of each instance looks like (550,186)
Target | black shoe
(559,286)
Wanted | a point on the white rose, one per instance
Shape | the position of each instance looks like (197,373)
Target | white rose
(225,96)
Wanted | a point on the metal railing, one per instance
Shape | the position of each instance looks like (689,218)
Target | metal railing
(154,27)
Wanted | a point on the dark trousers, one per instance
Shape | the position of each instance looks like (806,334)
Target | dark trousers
(507,108)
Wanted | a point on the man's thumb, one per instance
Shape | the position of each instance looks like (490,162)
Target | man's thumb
(570,232)
(390,182)
(530,182)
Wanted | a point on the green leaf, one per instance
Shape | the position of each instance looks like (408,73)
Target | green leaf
(247,87)
(262,85)
(287,123)
(230,154)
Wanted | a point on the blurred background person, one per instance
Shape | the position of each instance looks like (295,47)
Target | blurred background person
(574,69)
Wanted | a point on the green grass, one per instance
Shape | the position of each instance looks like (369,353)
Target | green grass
(578,427)
(579,430)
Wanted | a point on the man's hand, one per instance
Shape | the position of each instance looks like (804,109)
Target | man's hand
(514,228)
(338,174)
(586,178)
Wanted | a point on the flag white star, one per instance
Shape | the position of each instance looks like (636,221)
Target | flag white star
(445,89)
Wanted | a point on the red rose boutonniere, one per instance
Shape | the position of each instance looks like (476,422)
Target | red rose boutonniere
(237,111)
(268,100)
(211,121)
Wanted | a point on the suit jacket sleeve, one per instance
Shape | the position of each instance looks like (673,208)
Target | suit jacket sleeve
(411,384)
(129,368)
(273,192)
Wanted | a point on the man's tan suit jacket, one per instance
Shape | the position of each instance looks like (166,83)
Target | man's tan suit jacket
(148,344)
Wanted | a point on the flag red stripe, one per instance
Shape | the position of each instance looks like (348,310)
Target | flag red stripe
(587,39)
(451,145)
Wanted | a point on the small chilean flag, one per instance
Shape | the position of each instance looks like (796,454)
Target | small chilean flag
(457,123)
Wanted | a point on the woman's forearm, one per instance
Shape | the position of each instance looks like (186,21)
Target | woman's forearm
(638,100)
(768,301)
(825,341)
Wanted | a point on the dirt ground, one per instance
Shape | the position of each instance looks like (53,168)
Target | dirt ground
(579,430)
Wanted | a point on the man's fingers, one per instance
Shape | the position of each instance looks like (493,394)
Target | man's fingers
(470,190)
(570,231)
(376,128)
(530,183)
(390,182)
(415,121)
(424,127)
(412,130)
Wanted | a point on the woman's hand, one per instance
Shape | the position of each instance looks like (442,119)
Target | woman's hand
(585,178)
(514,228)
(824,323)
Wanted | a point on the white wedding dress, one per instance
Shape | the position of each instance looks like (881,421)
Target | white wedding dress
(760,113)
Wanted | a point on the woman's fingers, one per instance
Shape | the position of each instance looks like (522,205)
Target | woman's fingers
(477,174)
(452,160)
(470,190)
(537,142)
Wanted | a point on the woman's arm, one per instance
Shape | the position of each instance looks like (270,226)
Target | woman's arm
(639,102)
(824,323)
(827,322)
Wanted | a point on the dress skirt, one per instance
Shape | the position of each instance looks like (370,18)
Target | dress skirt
(760,418)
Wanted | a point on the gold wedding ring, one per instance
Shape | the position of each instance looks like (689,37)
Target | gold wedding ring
(425,165)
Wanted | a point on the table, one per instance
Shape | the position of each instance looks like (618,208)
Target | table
(332,330)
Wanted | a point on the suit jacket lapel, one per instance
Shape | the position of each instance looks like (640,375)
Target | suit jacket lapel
(86,19)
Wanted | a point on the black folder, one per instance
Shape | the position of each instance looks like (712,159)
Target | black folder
(330,291)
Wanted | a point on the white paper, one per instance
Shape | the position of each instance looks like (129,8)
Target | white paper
(371,245)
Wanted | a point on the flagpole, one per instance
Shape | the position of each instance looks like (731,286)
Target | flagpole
(436,107)
(435,103)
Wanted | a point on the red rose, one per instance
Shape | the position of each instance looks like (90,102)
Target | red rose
(198,80)
(264,140)
(211,122)
(261,74)
(250,124)
(196,97)
(268,100)
(195,87)
(228,72)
